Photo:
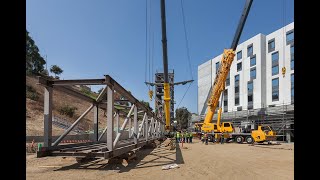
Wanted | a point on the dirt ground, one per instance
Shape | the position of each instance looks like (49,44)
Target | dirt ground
(198,161)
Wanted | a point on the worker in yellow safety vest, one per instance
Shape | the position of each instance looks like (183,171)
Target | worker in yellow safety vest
(187,137)
(190,137)
(182,136)
(178,136)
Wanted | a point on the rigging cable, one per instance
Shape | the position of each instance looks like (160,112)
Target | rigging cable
(186,38)
(145,77)
(188,53)
(284,38)
(184,95)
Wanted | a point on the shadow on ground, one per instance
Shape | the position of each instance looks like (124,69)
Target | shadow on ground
(159,156)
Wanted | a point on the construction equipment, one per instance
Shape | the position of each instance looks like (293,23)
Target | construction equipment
(166,85)
(219,82)
(218,87)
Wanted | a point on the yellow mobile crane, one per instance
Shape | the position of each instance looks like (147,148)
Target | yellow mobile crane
(260,135)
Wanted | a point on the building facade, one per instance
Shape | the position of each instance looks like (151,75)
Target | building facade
(255,79)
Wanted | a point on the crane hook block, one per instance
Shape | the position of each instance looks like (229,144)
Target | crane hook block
(283,71)
(150,94)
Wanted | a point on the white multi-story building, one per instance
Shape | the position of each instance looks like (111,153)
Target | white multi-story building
(255,79)
(279,54)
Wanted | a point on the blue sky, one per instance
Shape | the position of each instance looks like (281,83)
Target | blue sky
(89,39)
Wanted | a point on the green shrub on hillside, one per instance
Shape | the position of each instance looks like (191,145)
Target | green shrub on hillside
(89,93)
(67,110)
(31,93)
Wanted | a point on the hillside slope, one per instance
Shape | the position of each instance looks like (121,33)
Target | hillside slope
(34,110)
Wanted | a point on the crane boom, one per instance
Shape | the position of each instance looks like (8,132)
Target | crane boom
(227,58)
(166,85)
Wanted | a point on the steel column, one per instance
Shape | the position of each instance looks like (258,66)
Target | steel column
(142,125)
(104,131)
(117,121)
(155,128)
(72,126)
(95,123)
(110,112)
(146,127)
(123,126)
(129,130)
(152,127)
(47,116)
(135,125)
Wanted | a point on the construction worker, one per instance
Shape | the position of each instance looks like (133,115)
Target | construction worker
(222,138)
(182,136)
(202,138)
(206,138)
(213,137)
(178,136)
(190,137)
(187,136)
(175,136)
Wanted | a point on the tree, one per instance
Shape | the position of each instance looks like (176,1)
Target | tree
(146,104)
(34,62)
(100,90)
(56,70)
(183,116)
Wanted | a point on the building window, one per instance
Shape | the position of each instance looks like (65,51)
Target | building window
(236,101)
(239,66)
(236,89)
(228,79)
(250,50)
(290,37)
(275,70)
(236,80)
(225,103)
(292,57)
(275,89)
(271,45)
(250,98)
(239,55)
(228,82)
(252,61)
(275,63)
(225,94)
(253,73)
(217,67)
(292,88)
(250,87)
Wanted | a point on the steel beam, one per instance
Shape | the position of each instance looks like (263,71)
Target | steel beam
(110,81)
(78,82)
(146,127)
(110,112)
(155,128)
(142,125)
(103,132)
(129,130)
(75,93)
(102,94)
(95,123)
(47,116)
(117,122)
(152,127)
(72,126)
(135,125)
(123,126)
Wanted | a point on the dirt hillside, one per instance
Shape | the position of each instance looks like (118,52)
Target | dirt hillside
(34,110)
